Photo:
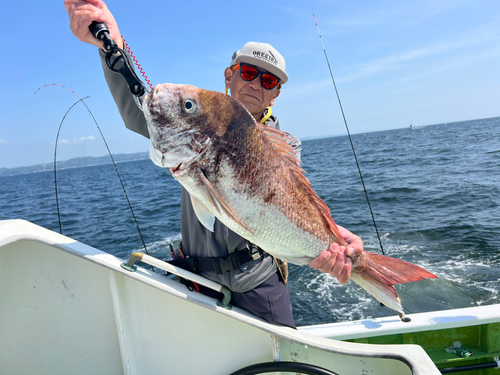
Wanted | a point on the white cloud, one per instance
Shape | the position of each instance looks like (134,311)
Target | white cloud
(3,141)
(76,141)
(89,138)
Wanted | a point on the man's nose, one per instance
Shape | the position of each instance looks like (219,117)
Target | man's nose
(255,84)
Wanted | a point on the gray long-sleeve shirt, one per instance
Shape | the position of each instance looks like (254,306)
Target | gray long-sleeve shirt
(196,239)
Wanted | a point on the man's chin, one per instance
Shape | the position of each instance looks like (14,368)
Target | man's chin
(251,103)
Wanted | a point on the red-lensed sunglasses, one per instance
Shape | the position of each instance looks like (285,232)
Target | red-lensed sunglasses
(249,72)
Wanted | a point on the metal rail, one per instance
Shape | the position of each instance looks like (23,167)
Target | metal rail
(141,257)
(481,366)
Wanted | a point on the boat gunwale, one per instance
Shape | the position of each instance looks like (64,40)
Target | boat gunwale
(420,322)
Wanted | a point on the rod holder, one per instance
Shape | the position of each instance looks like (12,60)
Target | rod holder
(130,265)
(227,298)
(141,257)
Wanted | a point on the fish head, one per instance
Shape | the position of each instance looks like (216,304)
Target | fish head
(182,122)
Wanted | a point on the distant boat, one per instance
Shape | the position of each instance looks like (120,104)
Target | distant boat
(416,127)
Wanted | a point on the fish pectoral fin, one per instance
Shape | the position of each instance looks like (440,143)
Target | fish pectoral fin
(221,206)
(203,214)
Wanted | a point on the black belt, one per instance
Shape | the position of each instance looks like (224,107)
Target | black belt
(221,265)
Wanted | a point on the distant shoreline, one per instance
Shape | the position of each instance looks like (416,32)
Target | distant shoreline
(88,161)
(80,162)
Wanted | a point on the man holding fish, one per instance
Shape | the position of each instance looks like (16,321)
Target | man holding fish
(254,77)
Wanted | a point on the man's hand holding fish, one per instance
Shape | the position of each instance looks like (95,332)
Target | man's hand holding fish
(337,259)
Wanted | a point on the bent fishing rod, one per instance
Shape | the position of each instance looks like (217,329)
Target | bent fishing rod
(350,138)
(82,100)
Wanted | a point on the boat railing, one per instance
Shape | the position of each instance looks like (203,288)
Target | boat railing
(152,261)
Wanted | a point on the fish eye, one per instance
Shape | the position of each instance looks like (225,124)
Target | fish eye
(189,106)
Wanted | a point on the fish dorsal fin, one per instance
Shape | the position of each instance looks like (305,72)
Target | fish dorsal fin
(203,214)
(216,200)
(279,140)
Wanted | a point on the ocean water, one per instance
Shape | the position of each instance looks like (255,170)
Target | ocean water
(434,191)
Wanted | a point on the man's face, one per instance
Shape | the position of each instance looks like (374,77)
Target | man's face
(250,93)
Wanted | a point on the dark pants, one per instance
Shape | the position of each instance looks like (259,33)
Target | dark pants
(269,301)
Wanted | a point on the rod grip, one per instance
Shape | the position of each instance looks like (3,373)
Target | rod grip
(97,28)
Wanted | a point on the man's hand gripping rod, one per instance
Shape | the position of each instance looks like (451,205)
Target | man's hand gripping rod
(117,60)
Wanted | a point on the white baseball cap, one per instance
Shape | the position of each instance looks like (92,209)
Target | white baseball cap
(264,56)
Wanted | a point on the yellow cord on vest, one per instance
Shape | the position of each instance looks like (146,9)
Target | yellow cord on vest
(269,113)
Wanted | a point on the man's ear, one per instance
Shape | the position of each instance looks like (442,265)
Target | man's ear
(275,96)
(228,73)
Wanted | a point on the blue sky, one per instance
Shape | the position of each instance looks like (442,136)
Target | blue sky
(396,63)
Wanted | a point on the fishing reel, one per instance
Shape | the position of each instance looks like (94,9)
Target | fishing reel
(116,59)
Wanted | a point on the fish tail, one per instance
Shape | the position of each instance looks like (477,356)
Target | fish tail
(379,273)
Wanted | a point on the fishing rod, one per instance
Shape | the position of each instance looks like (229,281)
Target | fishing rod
(55,160)
(82,100)
(350,138)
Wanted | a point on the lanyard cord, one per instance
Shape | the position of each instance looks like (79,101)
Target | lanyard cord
(350,139)
(269,113)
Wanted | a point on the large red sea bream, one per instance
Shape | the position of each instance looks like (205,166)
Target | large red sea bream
(245,174)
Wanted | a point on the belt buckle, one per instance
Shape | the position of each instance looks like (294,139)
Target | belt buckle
(224,265)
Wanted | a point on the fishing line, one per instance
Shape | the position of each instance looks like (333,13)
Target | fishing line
(109,152)
(350,139)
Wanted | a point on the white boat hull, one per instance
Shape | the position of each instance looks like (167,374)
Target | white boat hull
(69,308)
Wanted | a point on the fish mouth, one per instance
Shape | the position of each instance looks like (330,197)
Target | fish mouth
(177,161)
(150,101)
